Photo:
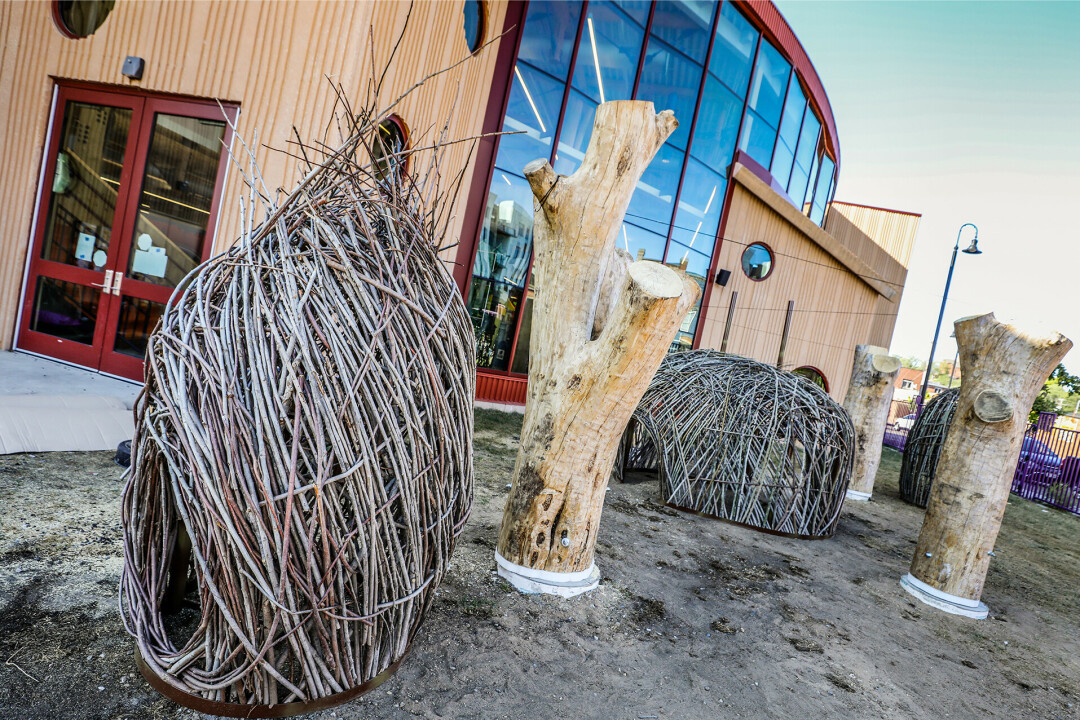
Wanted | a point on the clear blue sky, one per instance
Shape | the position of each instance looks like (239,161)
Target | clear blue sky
(964,112)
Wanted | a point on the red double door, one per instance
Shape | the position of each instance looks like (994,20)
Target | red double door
(130,197)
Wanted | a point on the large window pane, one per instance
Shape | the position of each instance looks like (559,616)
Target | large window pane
(547,40)
(532,115)
(653,202)
(769,84)
(758,138)
(638,241)
(176,198)
(78,228)
(638,10)
(804,158)
(700,204)
(697,264)
(500,269)
(576,130)
(608,56)
(717,125)
(824,187)
(797,185)
(793,114)
(808,141)
(671,82)
(781,164)
(810,184)
(685,24)
(788,137)
(733,50)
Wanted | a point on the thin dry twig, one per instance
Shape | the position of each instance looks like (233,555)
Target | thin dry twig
(10,662)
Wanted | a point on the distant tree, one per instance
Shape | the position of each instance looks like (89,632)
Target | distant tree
(1060,394)
(941,372)
(910,361)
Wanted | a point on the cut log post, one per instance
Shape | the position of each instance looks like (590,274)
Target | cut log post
(867,402)
(1004,370)
(601,325)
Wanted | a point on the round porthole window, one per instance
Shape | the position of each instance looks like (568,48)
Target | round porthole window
(474,24)
(387,148)
(813,376)
(81,18)
(757,261)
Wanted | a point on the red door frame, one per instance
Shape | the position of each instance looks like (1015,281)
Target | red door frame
(117,363)
(144,106)
(43,343)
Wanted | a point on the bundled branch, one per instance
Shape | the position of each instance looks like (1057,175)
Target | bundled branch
(739,440)
(306,429)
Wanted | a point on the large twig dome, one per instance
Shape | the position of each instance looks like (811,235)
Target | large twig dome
(923,447)
(307,426)
(739,440)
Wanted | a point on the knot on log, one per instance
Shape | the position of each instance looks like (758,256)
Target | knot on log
(992,407)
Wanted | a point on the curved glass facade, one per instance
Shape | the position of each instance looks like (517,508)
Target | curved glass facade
(730,88)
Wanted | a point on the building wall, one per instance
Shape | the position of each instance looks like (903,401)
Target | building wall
(273,58)
(837,285)
(883,239)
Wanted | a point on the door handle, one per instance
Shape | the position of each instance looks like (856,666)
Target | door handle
(108,282)
(118,280)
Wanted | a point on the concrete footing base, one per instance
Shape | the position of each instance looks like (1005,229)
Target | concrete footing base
(942,600)
(530,581)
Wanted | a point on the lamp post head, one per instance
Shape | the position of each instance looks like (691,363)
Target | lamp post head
(973,248)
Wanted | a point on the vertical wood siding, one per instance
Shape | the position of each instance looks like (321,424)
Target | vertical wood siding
(272,57)
(834,309)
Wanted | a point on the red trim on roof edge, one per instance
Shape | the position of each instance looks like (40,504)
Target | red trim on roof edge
(778,30)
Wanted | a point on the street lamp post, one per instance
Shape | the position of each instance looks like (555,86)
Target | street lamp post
(972,249)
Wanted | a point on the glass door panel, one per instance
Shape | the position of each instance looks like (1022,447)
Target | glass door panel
(65,310)
(85,183)
(177,175)
(176,198)
(137,319)
(130,192)
(74,259)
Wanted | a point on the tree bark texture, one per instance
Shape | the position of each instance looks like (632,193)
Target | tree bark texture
(1004,369)
(601,325)
(867,403)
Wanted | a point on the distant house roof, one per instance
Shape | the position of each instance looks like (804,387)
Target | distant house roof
(907,373)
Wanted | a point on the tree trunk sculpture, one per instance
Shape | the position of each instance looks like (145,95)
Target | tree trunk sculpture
(1003,372)
(601,325)
(867,402)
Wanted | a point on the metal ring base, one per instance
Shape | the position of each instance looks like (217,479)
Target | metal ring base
(240,710)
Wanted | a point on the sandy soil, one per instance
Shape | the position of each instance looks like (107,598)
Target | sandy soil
(694,619)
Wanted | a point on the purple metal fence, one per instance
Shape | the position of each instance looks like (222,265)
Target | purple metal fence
(1049,465)
(901,418)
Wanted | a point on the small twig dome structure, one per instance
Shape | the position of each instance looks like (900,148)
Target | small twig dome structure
(739,440)
(923,447)
(306,431)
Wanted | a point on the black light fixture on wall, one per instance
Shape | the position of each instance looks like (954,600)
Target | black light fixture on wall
(133,67)
(722,276)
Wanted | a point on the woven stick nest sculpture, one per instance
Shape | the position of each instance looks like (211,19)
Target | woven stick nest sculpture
(923,447)
(739,440)
(306,430)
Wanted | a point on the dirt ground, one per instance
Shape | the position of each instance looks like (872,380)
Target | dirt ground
(694,618)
